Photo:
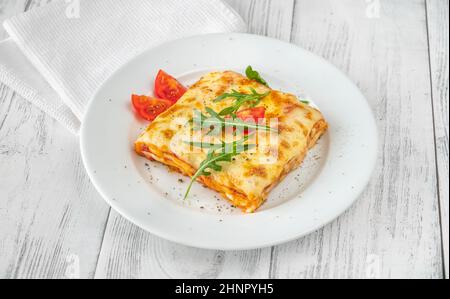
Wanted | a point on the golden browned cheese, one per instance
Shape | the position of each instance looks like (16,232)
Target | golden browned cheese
(246,181)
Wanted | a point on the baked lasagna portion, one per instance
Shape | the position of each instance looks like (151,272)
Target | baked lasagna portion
(248,178)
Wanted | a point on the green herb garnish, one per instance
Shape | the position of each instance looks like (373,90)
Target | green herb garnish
(241,98)
(223,152)
(254,75)
(227,118)
(305,102)
(214,121)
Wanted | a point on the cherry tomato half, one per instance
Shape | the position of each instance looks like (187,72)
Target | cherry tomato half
(149,108)
(167,87)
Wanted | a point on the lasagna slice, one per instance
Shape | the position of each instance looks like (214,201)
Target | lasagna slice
(248,178)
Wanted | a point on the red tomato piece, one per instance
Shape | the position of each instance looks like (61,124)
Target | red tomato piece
(149,108)
(167,87)
(139,102)
(252,114)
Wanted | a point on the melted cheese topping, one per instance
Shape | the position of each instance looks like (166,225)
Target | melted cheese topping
(249,178)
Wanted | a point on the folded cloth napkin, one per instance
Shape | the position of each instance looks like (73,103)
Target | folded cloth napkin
(58,55)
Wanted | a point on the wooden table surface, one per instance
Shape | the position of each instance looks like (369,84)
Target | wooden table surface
(53,223)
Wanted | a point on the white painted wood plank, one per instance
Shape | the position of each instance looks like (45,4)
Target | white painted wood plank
(51,218)
(393,230)
(129,252)
(438,11)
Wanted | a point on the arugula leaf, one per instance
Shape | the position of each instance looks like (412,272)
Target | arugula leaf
(214,121)
(214,157)
(254,75)
(241,98)
(221,152)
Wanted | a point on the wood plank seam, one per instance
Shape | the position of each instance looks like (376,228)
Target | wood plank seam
(272,266)
(28,5)
(102,242)
(293,20)
(2,123)
(441,220)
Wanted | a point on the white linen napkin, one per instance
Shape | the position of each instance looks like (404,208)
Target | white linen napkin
(59,54)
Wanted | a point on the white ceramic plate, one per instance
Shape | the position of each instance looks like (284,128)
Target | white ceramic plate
(331,179)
